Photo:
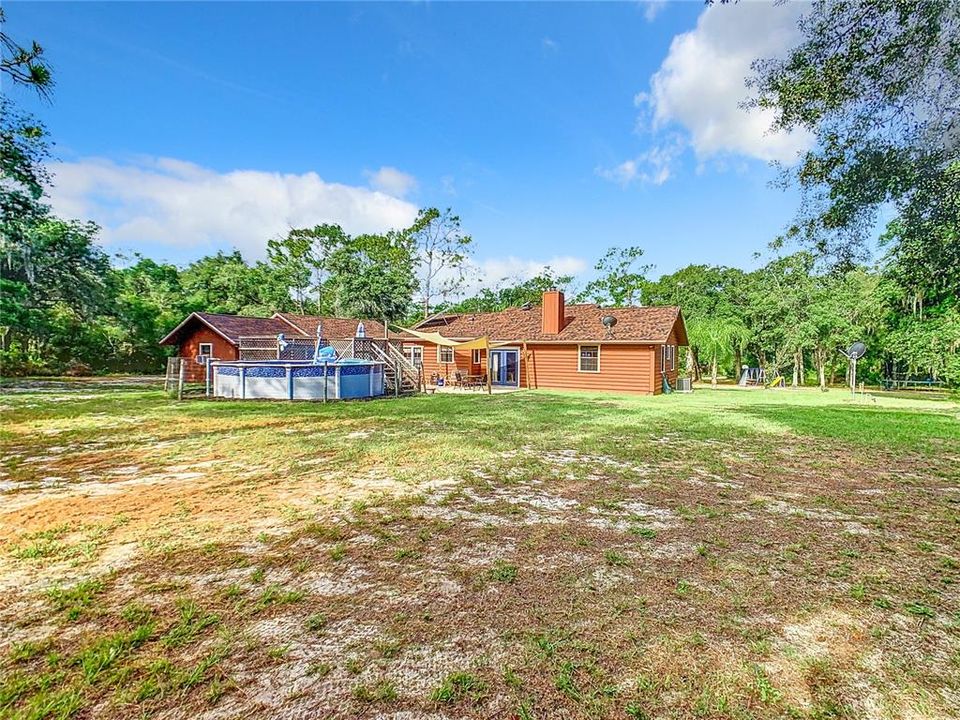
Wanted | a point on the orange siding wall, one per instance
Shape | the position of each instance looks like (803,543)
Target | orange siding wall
(671,374)
(463,361)
(623,368)
(190,348)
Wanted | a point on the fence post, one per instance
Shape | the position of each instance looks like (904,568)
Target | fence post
(180,381)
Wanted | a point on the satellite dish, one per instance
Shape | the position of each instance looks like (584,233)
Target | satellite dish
(856,351)
(526,306)
(608,321)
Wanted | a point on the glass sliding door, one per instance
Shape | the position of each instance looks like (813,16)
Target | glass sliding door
(505,367)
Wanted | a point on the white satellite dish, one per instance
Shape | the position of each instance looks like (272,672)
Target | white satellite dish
(854,353)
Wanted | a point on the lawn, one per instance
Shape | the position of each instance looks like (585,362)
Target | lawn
(725,554)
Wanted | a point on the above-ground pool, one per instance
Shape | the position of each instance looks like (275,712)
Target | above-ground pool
(286,380)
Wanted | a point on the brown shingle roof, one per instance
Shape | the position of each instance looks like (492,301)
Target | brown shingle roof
(581,323)
(232,327)
(334,328)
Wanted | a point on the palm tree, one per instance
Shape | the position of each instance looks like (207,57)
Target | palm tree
(715,337)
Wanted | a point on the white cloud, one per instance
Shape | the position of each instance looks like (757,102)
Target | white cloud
(504,271)
(392,181)
(652,8)
(549,46)
(701,82)
(654,166)
(494,270)
(448,185)
(168,202)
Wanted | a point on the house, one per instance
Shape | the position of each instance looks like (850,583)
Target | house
(582,346)
(219,336)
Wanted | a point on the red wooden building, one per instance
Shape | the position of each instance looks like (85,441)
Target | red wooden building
(555,345)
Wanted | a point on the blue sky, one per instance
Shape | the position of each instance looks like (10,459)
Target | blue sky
(554,130)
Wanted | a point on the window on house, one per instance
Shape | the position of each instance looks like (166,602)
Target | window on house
(444,354)
(669,357)
(476,357)
(206,349)
(589,360)
(414,354)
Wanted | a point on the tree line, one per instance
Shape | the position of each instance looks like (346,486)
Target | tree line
(65,307)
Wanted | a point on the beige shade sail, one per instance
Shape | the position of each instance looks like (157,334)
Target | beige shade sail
(479,343)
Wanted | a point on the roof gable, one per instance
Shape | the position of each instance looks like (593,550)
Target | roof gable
(230,327)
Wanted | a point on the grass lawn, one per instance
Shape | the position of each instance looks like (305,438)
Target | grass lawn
(725,554)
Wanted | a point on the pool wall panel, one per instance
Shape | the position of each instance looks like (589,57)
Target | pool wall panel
(311,388)
(266,387)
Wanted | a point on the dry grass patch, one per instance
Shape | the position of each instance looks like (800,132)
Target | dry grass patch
(527,556)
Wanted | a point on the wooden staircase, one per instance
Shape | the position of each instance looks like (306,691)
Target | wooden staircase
(400,377)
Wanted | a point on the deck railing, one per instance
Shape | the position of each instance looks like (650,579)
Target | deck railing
(400,374)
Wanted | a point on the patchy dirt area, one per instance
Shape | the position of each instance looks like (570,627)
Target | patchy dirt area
(524,556)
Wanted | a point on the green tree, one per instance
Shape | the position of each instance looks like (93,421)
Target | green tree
(702,292)
(24,145)
(58,279)
(24,65)
(778,301)
(225,283)
(621,278)
(442,251)
(877,82)
(372,276)
(148,302)
(302,260)
(715,336)
(928,347)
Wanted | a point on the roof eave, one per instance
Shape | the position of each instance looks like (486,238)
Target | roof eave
(170,337)
(564,341)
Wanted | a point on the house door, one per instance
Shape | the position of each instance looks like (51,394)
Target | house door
(505,367)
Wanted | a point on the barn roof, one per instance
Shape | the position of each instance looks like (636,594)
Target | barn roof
(582,322)
(230,327)
(233,327)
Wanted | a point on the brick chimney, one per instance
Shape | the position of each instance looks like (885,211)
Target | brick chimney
(553,312)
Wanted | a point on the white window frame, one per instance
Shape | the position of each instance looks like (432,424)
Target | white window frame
(475,357)
(440,350)
(580,358)
(208,345)
(412,354)
(668,354)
